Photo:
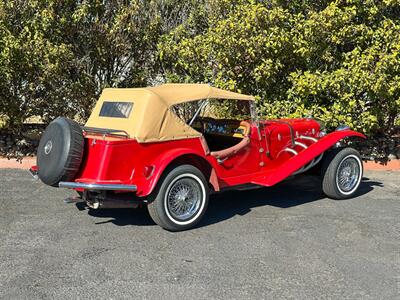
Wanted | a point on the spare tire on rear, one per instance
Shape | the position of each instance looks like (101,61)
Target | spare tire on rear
(60,151)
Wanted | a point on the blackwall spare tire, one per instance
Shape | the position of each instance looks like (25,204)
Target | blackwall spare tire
(60,151)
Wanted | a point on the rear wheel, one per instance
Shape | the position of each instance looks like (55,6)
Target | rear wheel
(342,171)
(180,200)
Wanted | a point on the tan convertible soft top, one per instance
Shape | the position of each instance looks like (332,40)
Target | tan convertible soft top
(151,119)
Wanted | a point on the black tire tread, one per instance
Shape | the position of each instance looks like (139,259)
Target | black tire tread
(75,148)
(328,171)
(154,214)
(75,153)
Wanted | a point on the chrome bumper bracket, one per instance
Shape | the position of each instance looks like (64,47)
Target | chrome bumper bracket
(34,173)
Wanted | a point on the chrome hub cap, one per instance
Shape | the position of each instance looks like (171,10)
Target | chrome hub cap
(348,174)
(48,147)
(184,199)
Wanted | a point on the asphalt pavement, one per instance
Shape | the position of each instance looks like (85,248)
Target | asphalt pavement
(284,242)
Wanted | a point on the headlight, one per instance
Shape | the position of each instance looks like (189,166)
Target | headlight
(322,129)
(342,127)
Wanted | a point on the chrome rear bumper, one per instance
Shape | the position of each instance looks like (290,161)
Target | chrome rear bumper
(98,187)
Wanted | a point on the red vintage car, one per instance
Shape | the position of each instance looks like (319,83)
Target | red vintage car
(170,146)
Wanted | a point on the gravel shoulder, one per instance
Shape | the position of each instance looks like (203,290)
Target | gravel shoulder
(288,241)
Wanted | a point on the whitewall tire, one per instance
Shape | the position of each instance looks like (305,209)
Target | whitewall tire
(180,199)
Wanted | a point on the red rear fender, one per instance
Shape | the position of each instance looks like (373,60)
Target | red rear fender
(167,158)
(130,162)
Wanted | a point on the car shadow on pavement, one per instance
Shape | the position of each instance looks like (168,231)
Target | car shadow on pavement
(292,192)
(225,205)
(121,216)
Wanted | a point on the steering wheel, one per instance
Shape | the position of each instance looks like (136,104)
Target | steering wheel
(224,154)
(246,127)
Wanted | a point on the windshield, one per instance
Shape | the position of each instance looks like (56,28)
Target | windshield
(189,112)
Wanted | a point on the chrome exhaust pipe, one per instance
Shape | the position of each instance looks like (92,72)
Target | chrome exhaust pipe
(96,204)
(107,199)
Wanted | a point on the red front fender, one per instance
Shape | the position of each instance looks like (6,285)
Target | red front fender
(296,162)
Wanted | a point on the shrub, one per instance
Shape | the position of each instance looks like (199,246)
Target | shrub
(337,61)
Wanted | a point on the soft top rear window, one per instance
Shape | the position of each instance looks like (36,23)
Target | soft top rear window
(116,109)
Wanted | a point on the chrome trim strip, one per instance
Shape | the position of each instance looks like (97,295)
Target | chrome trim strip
(290,150)
(105,131)
(301,145)
(308,138)
(97,187)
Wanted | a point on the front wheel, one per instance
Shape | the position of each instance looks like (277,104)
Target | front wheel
(180,200)
(342,171)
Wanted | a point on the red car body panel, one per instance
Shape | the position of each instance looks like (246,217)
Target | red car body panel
(282,170)
(131,162)
(125,161)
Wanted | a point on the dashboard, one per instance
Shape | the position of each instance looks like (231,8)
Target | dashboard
(222,127)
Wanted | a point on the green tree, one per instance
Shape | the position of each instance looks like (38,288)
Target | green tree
(335,60)
(30,63)
(56,57)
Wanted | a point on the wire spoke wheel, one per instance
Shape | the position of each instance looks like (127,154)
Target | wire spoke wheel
(348,174)
(341,171)
(183,198)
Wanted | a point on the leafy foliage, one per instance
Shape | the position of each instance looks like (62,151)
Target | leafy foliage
(337,61)
(56,57)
